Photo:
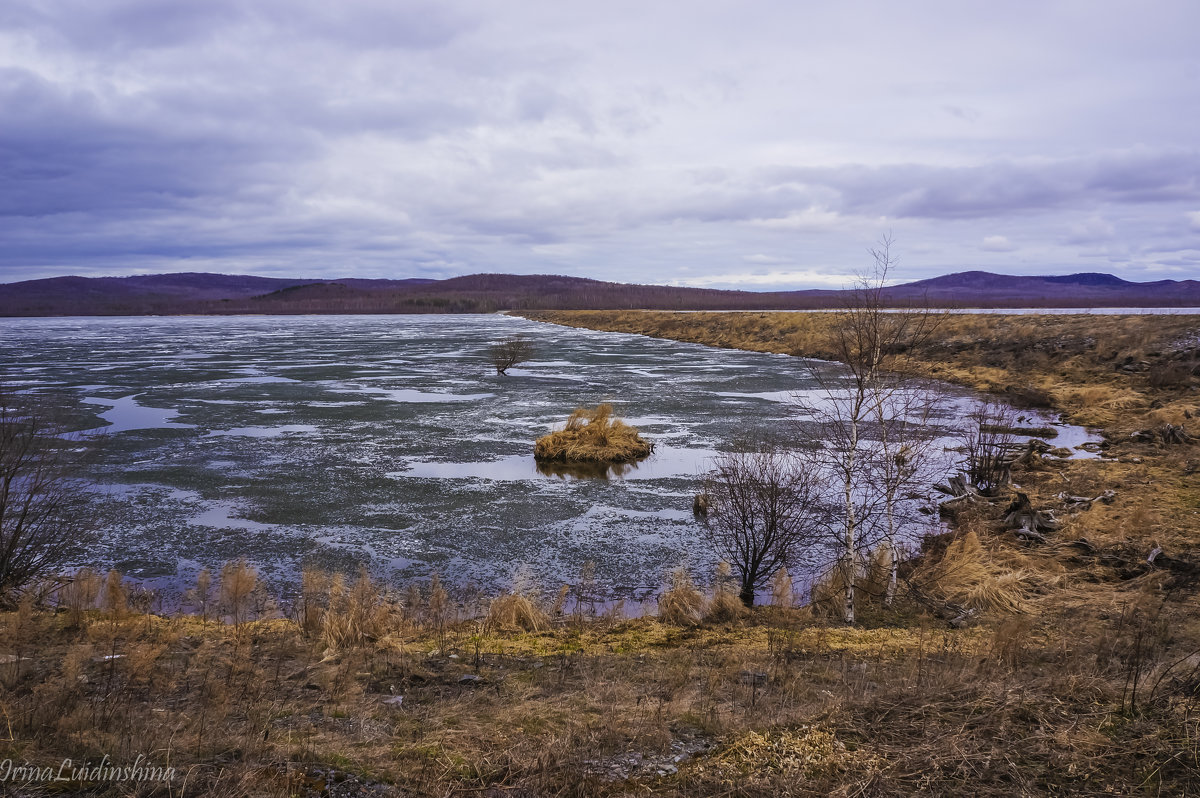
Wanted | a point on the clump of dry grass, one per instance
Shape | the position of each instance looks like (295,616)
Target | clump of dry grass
(681,604)
(828,591)
(515,611)
(973,577)
(238,581)
(79,593)
(201,595)
(725,606)
(309,609)
(115,594)
(518,610)
(877,572)
(592,436)
(355,616)
(805,751)
(782,594)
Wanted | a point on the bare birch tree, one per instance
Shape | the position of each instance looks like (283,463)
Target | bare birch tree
(905,463)
(869,341)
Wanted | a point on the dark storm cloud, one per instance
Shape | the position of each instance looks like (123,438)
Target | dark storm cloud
(66,153)
(117,25)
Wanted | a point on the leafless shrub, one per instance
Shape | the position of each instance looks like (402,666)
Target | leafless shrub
(41,516)
(987,446)
(509,352)
(764,508)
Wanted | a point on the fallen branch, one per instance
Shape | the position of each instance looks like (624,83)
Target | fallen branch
(1106,497)
(1164,434)
(1026,522)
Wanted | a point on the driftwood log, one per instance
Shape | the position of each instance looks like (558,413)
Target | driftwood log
(956,615)
(960,492)
(1165,434)
(1084,502)
(1028,523)
(1029,455)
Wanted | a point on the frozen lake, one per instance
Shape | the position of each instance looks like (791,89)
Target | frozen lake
(389,441)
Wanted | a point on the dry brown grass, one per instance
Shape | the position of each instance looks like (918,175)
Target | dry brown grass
(970,576)
(828,591)
(1121,360)
(514,612)
(681,603)
(356,616)
(789,708)
(725,606)
(876,572)
(782,592)
(592,436)
(777,703)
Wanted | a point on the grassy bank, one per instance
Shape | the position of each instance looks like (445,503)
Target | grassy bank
(1079,673)
(1102,371)
(777,703)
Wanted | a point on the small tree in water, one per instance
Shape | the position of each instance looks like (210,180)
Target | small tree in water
(764,508)
(509,352)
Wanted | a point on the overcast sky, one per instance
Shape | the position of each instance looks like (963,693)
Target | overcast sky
(748,144)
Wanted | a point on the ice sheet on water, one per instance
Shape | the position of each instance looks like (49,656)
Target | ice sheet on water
(426,466)
(264,432)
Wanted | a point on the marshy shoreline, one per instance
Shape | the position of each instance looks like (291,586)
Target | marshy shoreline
(1077,674)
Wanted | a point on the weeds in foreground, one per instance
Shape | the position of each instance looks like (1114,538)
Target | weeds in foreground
(360,686)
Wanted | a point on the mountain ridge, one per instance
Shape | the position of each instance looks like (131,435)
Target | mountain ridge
(222,294)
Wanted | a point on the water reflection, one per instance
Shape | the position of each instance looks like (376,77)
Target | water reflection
(667,462)
(562,470)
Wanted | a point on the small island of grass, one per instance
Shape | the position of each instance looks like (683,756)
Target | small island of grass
(592,436)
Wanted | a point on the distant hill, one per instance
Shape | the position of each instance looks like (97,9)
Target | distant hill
(220,294)
(983,289)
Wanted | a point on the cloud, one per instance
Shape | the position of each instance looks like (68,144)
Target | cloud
(997,244)
(960,112)
(1093,230)
(1002,187)
(775,279)
(623,141)
(813,219)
